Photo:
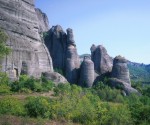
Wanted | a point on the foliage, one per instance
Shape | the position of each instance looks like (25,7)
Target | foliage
(99,105)
(13,106)
(45,34)
(4,49)
(139,73)
(28,84)
(38,107)
(4,84)
(107,93)
(4,89)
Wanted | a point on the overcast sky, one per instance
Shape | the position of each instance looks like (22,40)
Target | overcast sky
(121,26)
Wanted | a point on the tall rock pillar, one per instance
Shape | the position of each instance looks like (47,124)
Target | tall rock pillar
(72,59)
(87,73)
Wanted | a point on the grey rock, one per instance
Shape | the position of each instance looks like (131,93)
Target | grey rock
(56,42)
(70,37)
(123,85)
(19,20)
(55,77)
(42,21)
(87,74)
(63,52)
(102,61)
(72,65)
(72,59)
(120,69)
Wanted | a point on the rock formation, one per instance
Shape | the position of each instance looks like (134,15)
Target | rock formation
(19,20)
(102,61)
(72,59)
(55,77)
(120,75)
(87,73)
(42,21)
(63,52)
(57,45)
(123,86)
(120,69)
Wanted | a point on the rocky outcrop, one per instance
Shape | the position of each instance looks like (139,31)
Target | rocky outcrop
(29,54)
(72,59)
(102,61)
(55,77)
(63,52)
(123,86)
(42,21)
(120,76)
(87,73)
(57,45)
(120,69)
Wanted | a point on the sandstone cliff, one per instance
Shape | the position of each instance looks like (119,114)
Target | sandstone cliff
(20,21)
(102,61)
(63,51)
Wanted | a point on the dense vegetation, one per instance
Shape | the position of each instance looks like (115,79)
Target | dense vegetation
(98,105)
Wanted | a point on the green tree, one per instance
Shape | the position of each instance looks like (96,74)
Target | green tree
(4,49)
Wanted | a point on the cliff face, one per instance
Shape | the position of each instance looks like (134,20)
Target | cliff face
(42,21)
(19,20)
(63,51)
(102,61)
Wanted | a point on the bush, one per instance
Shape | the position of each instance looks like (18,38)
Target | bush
(47,84)
(32,84)
(10,105)
(107,93)
(38,107)
(4,89)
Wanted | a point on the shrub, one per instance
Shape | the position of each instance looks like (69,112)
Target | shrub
(107,93)
(4,89)
(47,84)
(13,106)
(32,84)
(38,107)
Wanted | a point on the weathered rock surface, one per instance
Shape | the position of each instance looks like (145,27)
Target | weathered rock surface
(120,75)
(57,45)
(72,59)
(120,69)
(55,77)
(19,20)
(102,61)
(42,21)
(63,52)
(124,86)
(87,73)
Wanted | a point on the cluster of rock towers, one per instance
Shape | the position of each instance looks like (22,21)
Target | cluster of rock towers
(33,55)
(85,73)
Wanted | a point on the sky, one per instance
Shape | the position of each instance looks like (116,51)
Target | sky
(121,26)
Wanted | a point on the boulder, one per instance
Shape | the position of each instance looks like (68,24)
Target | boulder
(123,86)
(87,74)
(120,69)
(102,61)
(55,77)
